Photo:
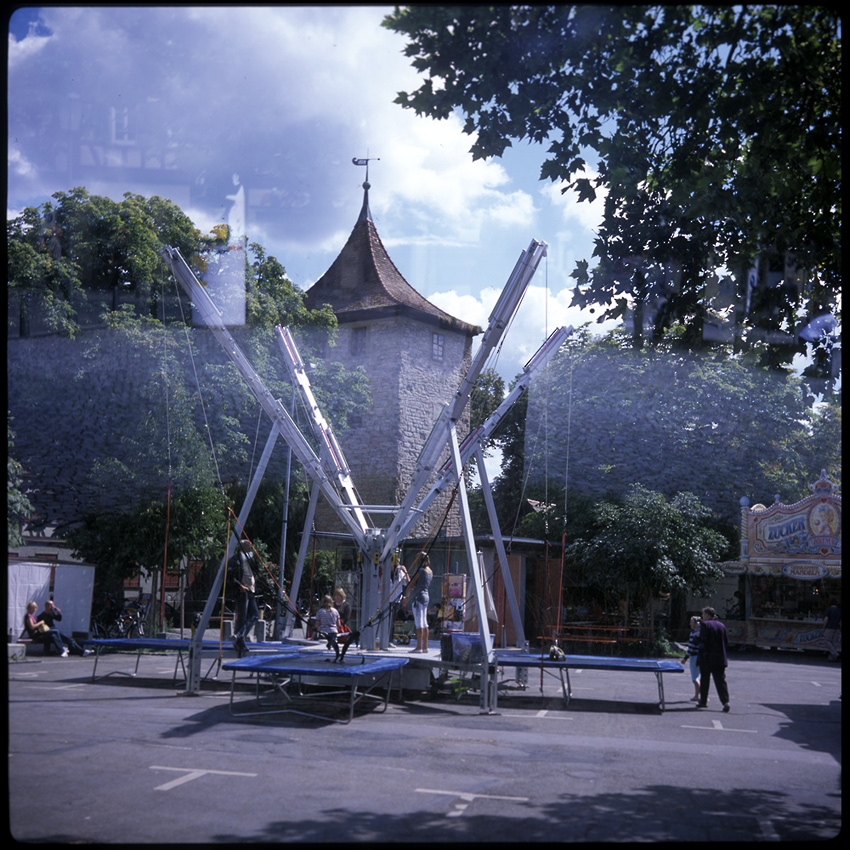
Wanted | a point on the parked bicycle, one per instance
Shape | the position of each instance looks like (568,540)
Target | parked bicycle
(131,620)
(105,623)
(114,622)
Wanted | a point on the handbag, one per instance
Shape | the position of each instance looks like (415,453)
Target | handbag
(41,628)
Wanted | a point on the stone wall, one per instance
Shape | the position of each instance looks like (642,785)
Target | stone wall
(408,390)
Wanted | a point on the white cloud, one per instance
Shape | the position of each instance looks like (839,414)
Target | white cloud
(25,49)
(285,96)
(19,164)
(585,214)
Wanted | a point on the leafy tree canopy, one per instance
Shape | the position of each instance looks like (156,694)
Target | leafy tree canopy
(715,425)
(174,415)
(648,544)
(713,132)
(18,507)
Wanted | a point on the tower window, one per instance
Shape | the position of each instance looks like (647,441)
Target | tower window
(358,340)
(438,343)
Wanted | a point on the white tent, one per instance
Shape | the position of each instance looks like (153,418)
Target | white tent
(29,581)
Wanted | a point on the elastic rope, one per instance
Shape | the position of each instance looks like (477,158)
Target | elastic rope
(200,394)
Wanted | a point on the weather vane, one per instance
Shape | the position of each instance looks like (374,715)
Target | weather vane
(365,162)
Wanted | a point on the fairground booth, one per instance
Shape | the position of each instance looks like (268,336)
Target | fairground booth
(788,571)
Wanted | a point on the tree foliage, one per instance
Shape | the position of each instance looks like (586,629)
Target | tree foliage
(80,244)
(716,425)
(177,429)
(647,544)
(18,507)
(713,132)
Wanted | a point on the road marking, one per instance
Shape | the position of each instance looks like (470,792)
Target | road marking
(467,798)
(542,713)
(470,796)
(190,774)
(716,724)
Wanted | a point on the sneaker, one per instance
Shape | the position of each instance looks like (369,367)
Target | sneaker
(65,653)
(87,652)
(726,708)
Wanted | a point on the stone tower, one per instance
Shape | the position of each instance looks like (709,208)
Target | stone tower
(414,355)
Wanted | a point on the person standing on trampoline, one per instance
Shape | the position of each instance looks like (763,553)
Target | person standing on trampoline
(417,594)
(247,612)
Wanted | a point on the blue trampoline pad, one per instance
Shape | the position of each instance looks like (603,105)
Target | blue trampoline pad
(284,669)
(589,662)
(658,666)
(306,663)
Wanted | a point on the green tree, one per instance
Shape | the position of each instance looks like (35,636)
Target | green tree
(647,545)
(718,426)
(714,133)
(19,509)
(79,246)
(40,282)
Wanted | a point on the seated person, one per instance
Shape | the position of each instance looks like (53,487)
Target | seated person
(327,624)
(51,615)
(41,632)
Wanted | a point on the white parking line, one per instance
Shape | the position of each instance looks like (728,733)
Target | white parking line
(191,773)
(716,724)
(467,798)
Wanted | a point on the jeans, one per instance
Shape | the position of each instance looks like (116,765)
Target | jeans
(247,614)
(51,638)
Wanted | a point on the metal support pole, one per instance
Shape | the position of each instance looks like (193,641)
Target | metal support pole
(278,619)
(302,555)
(193,678)
(472,557)
(501,555)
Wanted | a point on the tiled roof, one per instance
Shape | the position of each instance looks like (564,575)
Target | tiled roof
(364,278)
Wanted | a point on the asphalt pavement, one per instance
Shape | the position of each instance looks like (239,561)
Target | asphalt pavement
(138,760)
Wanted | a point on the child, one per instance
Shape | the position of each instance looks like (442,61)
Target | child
(691,654)
(327,624)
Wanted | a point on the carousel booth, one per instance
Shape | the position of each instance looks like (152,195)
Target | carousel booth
(789,568)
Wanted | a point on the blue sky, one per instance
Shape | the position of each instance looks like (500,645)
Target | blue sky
(285,97)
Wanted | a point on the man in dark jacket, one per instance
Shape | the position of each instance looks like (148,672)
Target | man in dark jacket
(712,658)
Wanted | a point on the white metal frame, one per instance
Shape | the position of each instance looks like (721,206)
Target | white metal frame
(331,478)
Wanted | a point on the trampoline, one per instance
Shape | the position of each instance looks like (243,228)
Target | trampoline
(285,674)
(658,666)
(178,645)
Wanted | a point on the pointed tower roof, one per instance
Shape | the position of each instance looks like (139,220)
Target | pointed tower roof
(364,283)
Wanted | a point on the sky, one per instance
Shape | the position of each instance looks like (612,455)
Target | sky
(277,101)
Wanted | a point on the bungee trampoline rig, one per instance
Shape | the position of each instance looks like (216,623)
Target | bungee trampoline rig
(329,475)
(284,666)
